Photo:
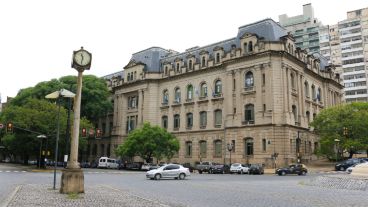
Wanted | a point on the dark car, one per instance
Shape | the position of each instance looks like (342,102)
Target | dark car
(133,166)
(298,169)
(189,166)
(342,166)
(219,168)
(256,169)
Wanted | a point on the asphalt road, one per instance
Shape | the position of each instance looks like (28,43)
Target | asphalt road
(200,190)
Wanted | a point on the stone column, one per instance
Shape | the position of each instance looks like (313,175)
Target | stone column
(72,178)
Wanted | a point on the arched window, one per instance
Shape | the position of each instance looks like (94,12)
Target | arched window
(189,92)
(217,57)
(248,147)
(203,61)
(218,118)
(202,149)
(295,114)
(190,65)
(202,119)
(176,121)
(313,93)
(308,117)
(189,120)
(250,47)
(166,70)
(218,148)
(204,90)
(164,122)
(218,88)
(245,47)
(177,95)
(188,149)
(306,89)
(292,80)
(249,80)
(249,113)
(319,94)
(289,48)
(165,98)
(135,75)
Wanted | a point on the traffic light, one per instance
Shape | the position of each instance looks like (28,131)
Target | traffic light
(84,132)
(9,127)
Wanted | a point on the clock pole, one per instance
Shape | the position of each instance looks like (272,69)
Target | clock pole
(72,178)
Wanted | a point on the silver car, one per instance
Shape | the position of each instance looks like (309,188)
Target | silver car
(169,171)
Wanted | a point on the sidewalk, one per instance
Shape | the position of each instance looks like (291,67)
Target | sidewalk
(45,196)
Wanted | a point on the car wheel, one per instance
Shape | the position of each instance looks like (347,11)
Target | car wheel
(200,171)
(342,169)
(283,173)
(304,173)
(223,172)
(210,171)
(157,177)
(241,172)
(181,176)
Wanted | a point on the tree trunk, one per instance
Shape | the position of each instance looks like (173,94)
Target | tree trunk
(351,153)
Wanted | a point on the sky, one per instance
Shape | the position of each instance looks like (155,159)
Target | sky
(38,37)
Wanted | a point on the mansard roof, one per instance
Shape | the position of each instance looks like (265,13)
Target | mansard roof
(267,30)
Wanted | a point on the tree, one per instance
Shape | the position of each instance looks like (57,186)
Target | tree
(347,123)
(95,94)
(148,142)
(35,117)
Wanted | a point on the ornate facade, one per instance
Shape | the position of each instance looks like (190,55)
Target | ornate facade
(257,92)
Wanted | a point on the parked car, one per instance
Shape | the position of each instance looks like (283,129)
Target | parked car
(133,166)
(189,166)
(168,171)
(239,168)
(146,166)
(299,169)
(85,165)
(219,168)
(153,167)
(204,166)
(342,166)
(256,169)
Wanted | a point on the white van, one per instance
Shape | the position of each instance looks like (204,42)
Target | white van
(105,162)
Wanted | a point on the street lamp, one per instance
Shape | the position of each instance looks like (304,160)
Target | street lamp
(337,141)
(230,147)
(57,95)
(41,137)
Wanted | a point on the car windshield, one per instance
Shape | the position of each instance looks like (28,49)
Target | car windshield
(235,165)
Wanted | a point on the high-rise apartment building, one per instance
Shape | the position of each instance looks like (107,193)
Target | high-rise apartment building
(353,35)
(304,28)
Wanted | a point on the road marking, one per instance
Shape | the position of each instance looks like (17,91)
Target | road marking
(7,171)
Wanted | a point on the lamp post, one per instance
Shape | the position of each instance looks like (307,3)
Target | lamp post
(57,95)
(72,178)
(41,137)
(337,141)
(230,148)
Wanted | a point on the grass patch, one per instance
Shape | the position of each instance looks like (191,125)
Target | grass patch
(73,196)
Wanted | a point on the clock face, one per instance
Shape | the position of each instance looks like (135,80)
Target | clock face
(82,58)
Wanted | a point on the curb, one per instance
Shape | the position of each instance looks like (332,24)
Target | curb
(10,198)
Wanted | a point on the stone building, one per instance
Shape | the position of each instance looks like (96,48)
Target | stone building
(256,92)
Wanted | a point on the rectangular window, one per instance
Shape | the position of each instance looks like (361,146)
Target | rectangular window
(233,143)
(263,79)
(264,145)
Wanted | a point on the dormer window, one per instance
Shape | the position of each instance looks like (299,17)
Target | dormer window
(166,70)
(178,67)
(190,65)
(250,47)
(217,57)
(245,46)
(203,61)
